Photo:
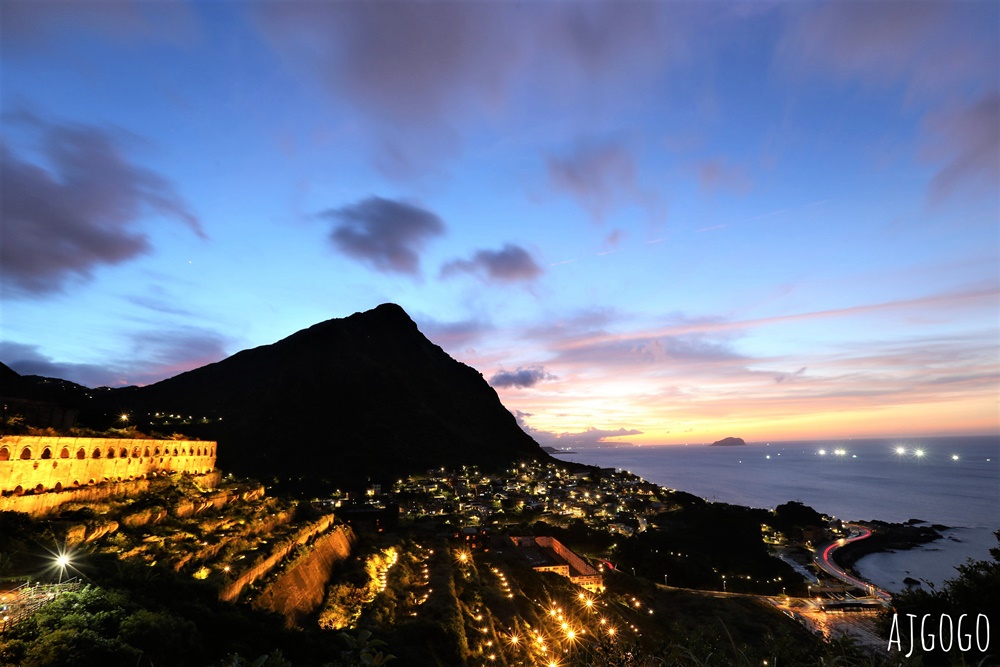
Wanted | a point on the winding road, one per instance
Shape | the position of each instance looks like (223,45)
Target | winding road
(825,562)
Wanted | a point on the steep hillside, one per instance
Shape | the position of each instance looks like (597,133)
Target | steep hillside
(347,400)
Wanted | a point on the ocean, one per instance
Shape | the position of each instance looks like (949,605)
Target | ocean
(952,481)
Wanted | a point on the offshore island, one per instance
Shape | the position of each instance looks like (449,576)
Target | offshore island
(729,442)
(231,516)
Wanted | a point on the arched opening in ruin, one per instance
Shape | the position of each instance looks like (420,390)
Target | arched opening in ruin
(135,452)
(96,454)
(76,483)
(58,487)
(146,452)
(92,481)
(64,454)
(81,453)
(123,453)
(156,452)
(18,490)
(39,488)
(199,451)
(184,451)
(175,451)
(4,454)
(47,453)
(25,454)
(111,452)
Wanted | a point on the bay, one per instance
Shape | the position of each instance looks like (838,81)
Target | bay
(953,481)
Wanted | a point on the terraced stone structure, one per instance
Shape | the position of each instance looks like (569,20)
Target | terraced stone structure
(41,464)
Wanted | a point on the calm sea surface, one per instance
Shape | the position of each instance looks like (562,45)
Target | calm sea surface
(953,481)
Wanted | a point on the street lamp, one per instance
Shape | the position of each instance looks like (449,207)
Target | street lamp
(62,562)
(665,580)
(723,583)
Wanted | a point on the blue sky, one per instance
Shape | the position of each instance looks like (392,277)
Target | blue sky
(643,222)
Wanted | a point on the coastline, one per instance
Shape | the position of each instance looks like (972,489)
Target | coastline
(866,488)
(931,563)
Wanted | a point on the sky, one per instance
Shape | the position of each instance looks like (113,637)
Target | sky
(642,222)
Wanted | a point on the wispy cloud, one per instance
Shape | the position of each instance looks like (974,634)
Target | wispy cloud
(454,335)
(932,47)
(154,356)
(967,141)
(589,437)
(601,176)
(35,25)
(717,175)
(951,299)
(421,75)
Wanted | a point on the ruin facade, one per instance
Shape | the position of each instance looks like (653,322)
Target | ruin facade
(42,464)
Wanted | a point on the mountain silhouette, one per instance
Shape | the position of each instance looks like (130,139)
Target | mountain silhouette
(366,397)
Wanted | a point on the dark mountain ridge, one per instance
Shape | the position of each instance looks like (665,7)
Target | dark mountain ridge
(346,400)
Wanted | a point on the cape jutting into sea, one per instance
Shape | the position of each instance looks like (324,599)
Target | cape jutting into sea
(953,481)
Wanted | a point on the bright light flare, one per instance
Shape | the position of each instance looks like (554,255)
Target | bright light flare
(954,457)
(900,450)
(918,453)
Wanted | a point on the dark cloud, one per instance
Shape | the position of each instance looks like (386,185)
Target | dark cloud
(81,212)
(521,378)
(155,355)
(968,142)
(510,263)
(384,233)
(601,177)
